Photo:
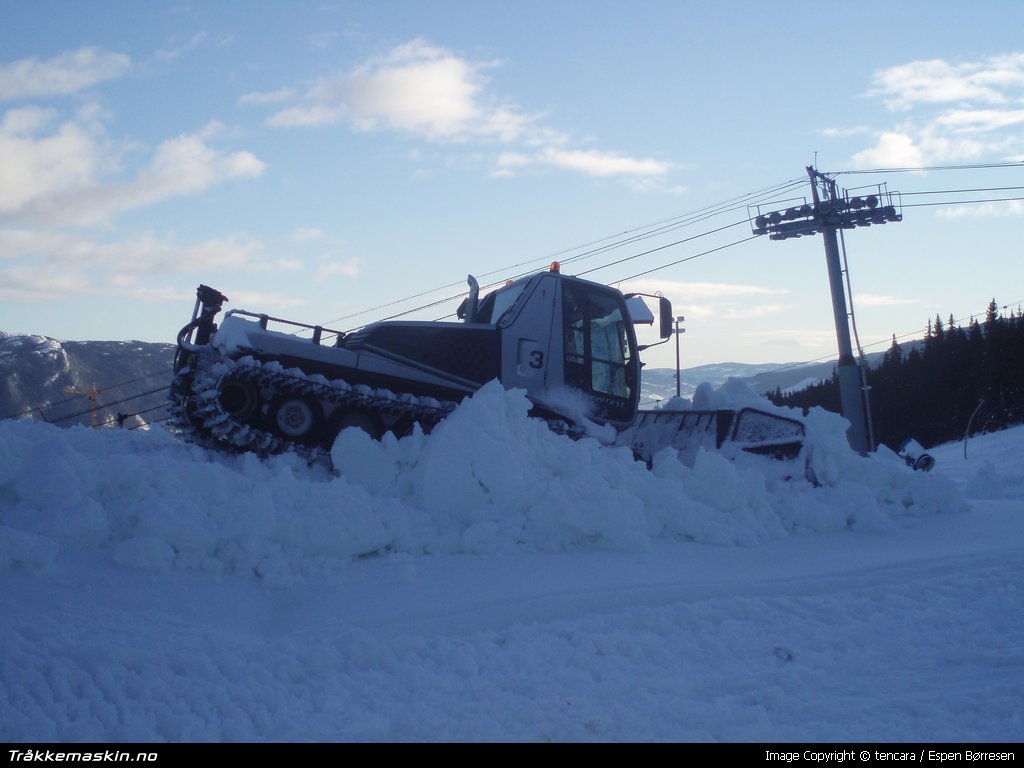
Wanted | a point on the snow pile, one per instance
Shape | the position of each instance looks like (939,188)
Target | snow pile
(255,618)
(988,467)
(488,479)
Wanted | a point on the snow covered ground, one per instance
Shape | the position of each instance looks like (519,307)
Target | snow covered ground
(498,582)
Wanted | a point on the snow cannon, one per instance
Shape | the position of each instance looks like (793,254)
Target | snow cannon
(915,456)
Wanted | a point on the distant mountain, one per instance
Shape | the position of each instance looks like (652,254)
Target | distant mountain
(660,383)
(131,377)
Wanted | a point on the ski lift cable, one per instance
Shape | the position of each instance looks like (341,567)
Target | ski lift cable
(28,411)
(656,234)
(97,407)
(109,405)
(917,169)
(706,214)
(663,266)
(663,247)
(495,284)
(750,238)
(505,270)
(463,293)
(129,415)
(689,218)
(645,253)
(688,258)
(957,191)
(962,202)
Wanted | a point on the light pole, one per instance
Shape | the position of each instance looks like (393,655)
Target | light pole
(679,377)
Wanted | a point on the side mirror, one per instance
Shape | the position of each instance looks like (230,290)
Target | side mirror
(665,316)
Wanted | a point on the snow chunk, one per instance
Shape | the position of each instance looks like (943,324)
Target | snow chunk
(487,479)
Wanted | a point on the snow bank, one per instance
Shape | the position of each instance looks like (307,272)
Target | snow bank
(488,479)
(988,467)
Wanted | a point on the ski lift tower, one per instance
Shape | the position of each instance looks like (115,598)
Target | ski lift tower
(829,212)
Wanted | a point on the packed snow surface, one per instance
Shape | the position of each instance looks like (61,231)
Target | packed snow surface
(496,581)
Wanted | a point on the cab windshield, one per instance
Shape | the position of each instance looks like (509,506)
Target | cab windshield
(597,353)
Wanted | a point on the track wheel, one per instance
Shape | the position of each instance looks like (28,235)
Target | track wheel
(238,399)
(298,419)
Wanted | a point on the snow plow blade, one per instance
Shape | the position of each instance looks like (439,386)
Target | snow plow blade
(748,429)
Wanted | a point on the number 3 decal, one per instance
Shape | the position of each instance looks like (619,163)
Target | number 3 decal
(536,359)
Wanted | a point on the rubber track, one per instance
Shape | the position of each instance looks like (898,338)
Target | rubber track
(219,430)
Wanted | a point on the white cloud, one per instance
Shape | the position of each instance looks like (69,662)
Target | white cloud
(891,150)
(991,210)
(698,291)
(703,300)
(594,163)
(153,256)
(970,120)
(645,174)
(834,133)
(306,235)
(936,81)
(259,98)
(63,174)
(67,73)
(507,125)
(510,162)
(323,39)
(348,269)
(752,311)
(416,88)
(187,164)
(432,93)
(33,283)
(37,265)
(29,242)
(144,254)
(38,162)
(874,300)
(265,300)
(307,115)
(806,339)
(653,184)
(178,49)
(963,111)
(723,309)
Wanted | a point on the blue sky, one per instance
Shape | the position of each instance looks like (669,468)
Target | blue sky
(322,161)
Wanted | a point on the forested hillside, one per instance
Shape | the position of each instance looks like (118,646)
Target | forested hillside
(932,391)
